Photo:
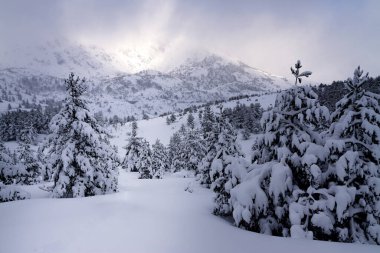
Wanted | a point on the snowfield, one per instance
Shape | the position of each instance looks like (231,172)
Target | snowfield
(144,216)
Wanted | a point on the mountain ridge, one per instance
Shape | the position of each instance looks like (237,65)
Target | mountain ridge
(150,92)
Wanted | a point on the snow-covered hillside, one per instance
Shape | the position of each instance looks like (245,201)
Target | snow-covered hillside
(37,74)
(60,57)
(157,128)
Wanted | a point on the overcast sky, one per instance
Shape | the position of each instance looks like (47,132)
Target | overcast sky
(331,37)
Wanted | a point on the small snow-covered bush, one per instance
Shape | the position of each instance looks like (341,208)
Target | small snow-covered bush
(12,193)
(19,167)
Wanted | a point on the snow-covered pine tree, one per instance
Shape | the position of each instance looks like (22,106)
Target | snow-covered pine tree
(175,152)
(144,162)
(138,155)
(354,173)
(283,157)
(190,121)
(7,166)
(27,159)
(133,149)
(168,121)
(208,120)
(252,119)
(19,167)
(227,169)
(173,118)
(160,160)
(79,152)
(210,148)
(46,169)
(194,149)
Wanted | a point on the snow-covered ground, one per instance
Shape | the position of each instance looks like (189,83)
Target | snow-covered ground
(156,128)
(144,216)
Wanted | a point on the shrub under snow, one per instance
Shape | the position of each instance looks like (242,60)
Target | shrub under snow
(11,193)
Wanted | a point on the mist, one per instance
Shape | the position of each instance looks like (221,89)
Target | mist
(330,37)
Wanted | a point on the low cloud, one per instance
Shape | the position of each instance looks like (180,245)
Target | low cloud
(330,37)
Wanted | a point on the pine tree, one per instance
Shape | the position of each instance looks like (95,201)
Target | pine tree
(173,118)
(133,150)
(144,162)
(194,149)
(210,141)
(28,134)
(19,167)
(354,158)
(286,159)
(160,160)
(79,152)
(46,169)
(168,121)
(175,153)
(227,169)
(208,120)
(27,159)
(7,166)
(190,121)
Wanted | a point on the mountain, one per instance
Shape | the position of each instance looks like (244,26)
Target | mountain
(60,57)
(38,76)
(215,73)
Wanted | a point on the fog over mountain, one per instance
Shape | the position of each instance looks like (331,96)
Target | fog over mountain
(331,37)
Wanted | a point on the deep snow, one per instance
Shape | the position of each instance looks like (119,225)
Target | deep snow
(144,216)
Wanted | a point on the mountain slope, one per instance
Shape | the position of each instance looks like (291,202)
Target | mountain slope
(215,73)
(40,76)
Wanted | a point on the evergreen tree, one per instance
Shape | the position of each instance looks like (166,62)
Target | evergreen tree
(173,118)
(79,152)
(19,167)
(160,160)
(133,150)
(144,162)
(354,158)
(138,155)
(176,153)
(286,161)
(227,169)
(194,149)
(46,169)
(208,120)
(7,166)
(27,159)
(168,121)
(210,148)
(190,121)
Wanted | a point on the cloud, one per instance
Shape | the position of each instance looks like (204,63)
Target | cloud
(330,37)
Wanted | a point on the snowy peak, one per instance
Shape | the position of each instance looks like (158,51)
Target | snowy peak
(39,73)
(213,72)
(207,71)
(60,57)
